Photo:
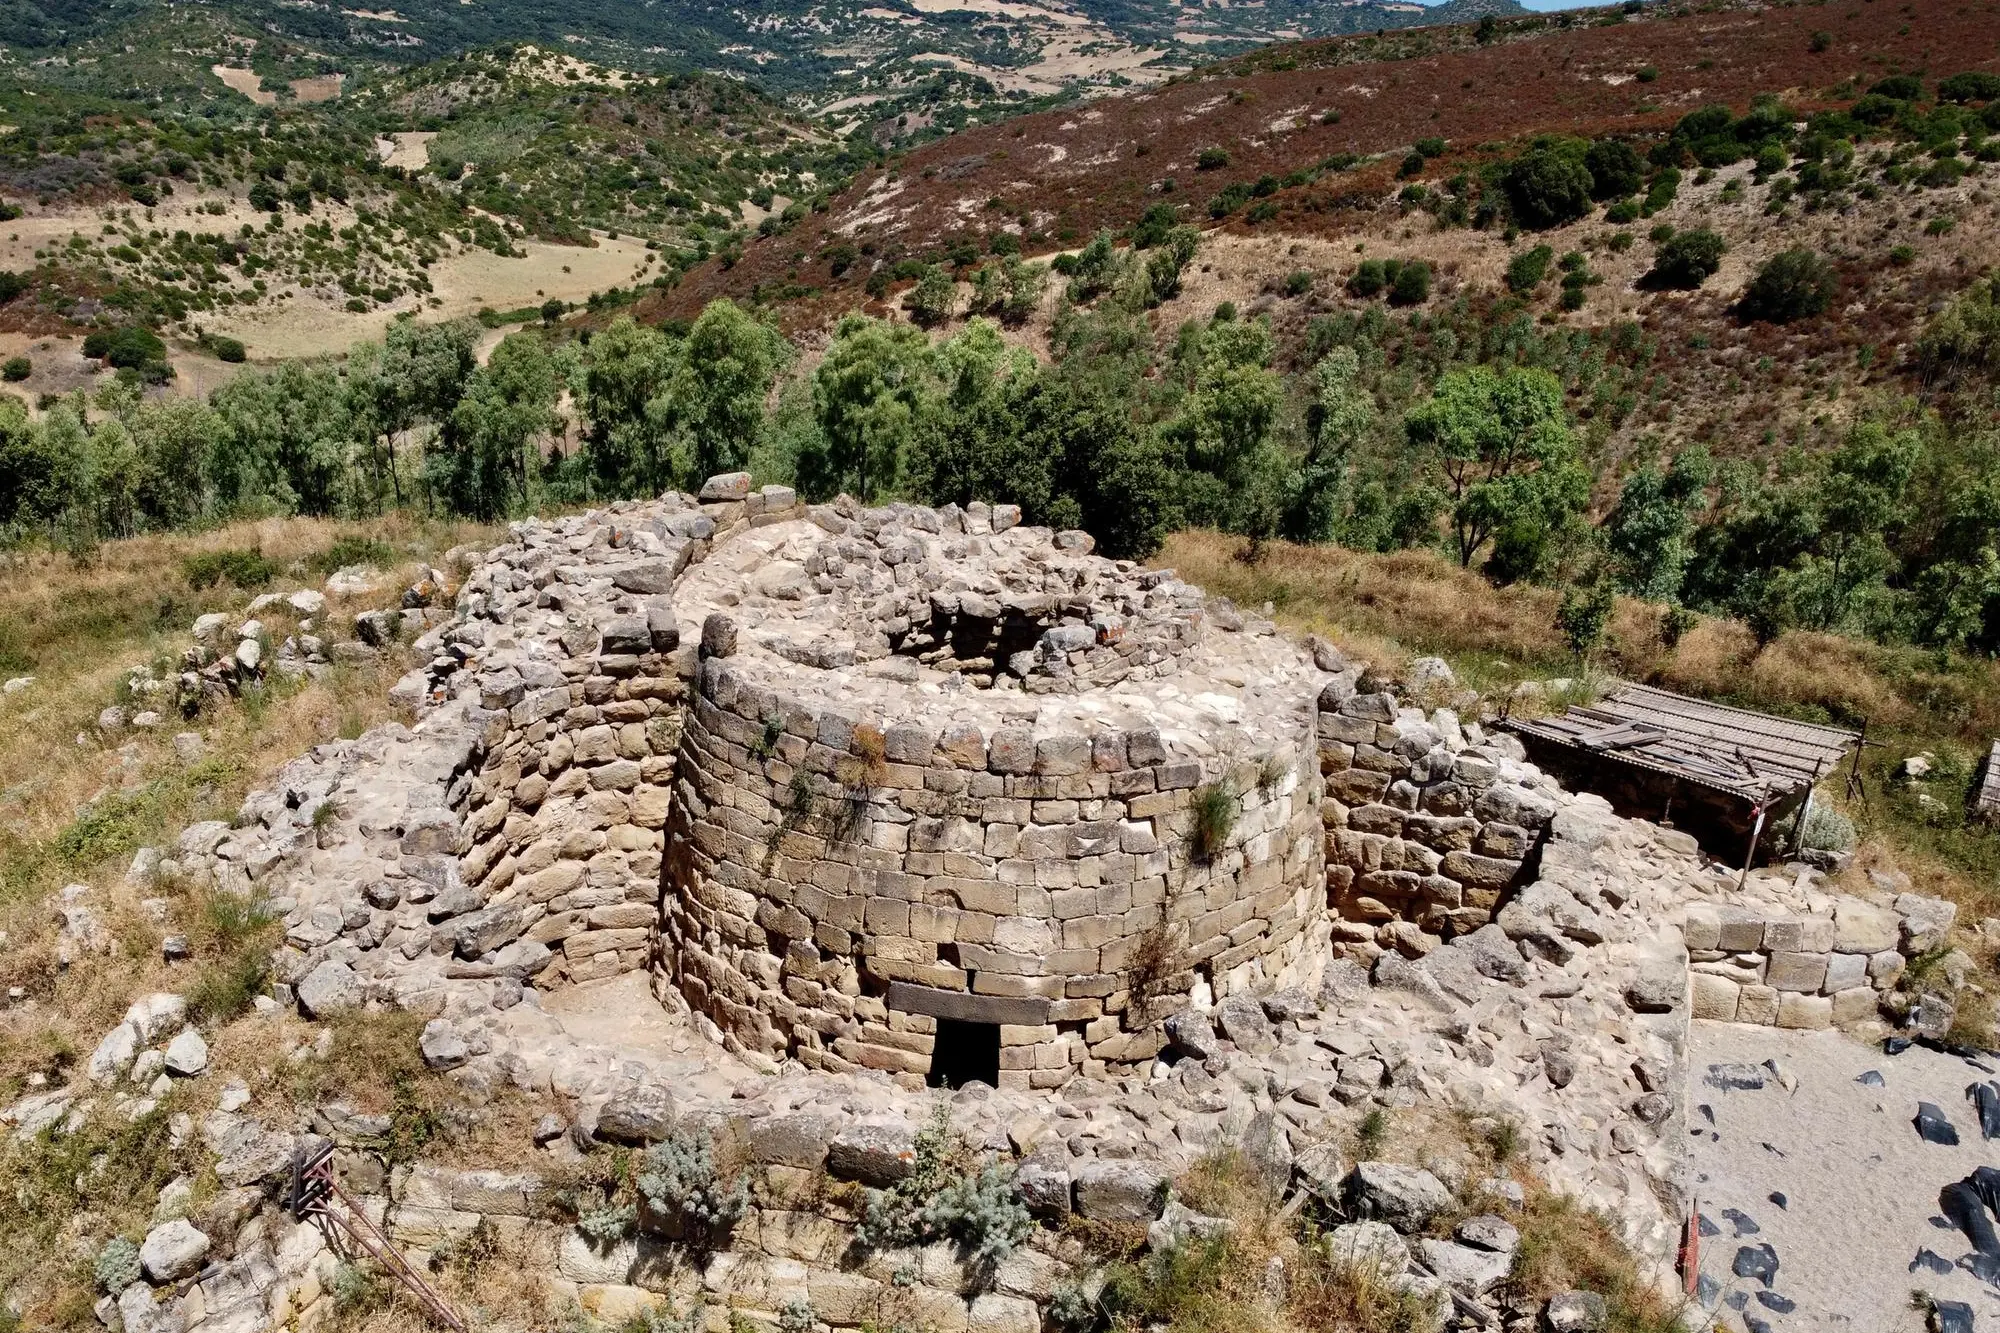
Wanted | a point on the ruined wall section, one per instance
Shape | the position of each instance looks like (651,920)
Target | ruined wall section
(584,675)
(1430,821)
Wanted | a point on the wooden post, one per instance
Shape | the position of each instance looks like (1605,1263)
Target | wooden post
(1750,852)
(1854,783)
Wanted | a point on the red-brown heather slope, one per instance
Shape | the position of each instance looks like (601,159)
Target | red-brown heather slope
(1064,174)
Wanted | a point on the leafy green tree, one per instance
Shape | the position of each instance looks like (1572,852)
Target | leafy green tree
(1583,614)
(1650,534)
(1234,471)
(1341,418)
(1527,269)
(486,458)
(869,395)
(414,376)
(621,394)
(174,441)
(1164,266)
(934,298)
(968,446)
(1550,184)
(718,391)
(1616,169)
(284,443)
(1502,445)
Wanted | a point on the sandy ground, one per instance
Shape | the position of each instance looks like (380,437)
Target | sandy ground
(1861,1185)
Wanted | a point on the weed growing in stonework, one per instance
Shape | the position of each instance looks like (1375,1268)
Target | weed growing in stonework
(948,1196)
(680,1180)
(1214,810)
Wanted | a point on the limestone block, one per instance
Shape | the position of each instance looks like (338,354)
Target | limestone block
(1864,928)
(1844,971)
(1857,1004)
(1796,1010)
(1740,931)
(1784,935)
(1757,1004)
(1701,928)
(1804,972)
(1715,997)
(991,1312)
(1885,969)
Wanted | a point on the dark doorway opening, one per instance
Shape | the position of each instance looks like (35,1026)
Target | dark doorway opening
(965,1053)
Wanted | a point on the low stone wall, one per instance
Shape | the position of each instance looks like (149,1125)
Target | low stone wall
(1429,820)
(1810,970)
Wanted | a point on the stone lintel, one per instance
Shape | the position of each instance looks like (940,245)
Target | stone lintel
(1025,1011)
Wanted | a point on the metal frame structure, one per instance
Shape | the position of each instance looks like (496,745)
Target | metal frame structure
(314,1194)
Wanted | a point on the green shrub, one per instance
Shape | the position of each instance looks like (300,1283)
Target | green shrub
(228,349)
(1210,159)
(1367,280)
(1902,256)
(1412,285)
(351,550)
(1902,87)
(16,369)
(1527,269)
(117,1265)
(1412,165)
(1298,282)
(1791,285)
(243,567)
(1616,169)
(1622,212)
(1971,86)
(605,1227)
(1688,259)
(1430,147)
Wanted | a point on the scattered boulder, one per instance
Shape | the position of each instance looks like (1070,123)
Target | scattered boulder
(637,1113)
(1575,1312)
(1120,1191)
(331,988)
(172,1251)
(1406,1197)
(187,1054)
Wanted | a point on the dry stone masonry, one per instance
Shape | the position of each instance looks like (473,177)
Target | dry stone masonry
(733,813)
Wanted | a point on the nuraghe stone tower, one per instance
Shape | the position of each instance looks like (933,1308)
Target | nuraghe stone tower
(958,795)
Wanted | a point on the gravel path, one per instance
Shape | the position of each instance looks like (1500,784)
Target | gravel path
(1860,1185)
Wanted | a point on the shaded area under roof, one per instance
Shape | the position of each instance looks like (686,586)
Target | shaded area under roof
(1755,757)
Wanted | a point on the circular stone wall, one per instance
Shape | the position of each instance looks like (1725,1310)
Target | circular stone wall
(944,780)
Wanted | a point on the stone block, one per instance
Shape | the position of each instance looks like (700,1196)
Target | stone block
(1740,931)
(1864,928)
(1844,971)
(1784,935)
(1811,1012)
(1715,997)
(1858,1004)
(1804,972)
(1701,928)
(1757,1004)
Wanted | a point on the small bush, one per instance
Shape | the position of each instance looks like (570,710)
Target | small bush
(1902,256)
(1622,212)
(605,1227)
(948,1196)
(351,550)
(117,1265)
(1412,285)
(16,369)
(1791,285)
(231,350)
(1213,811)
(1211,159)
(1298,282)
(242,567)
(1688,259)
(680,1180)
(1527,269)
(1367,280)
(1550,184)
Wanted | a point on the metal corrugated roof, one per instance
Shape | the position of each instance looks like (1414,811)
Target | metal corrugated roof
(1751,755)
